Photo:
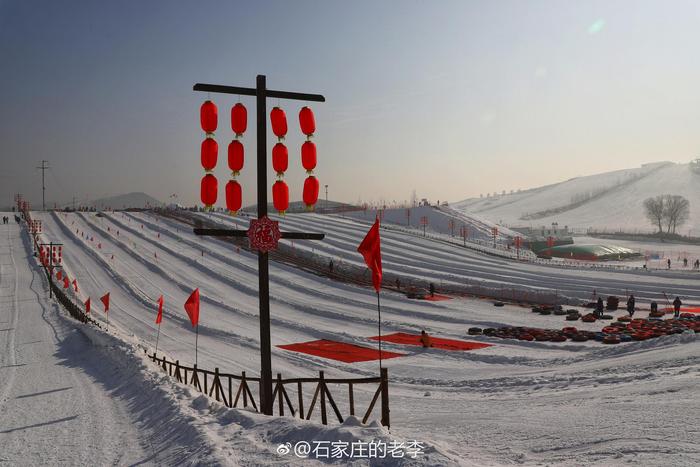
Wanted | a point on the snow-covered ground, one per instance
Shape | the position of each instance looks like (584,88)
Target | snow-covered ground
(514,402)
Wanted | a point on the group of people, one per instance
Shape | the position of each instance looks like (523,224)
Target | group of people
(5,220)
(696,263)
(631,302)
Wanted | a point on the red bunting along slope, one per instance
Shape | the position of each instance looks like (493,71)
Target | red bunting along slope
(348,353)
(438,343)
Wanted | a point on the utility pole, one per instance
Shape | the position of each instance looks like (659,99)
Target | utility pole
(43,167)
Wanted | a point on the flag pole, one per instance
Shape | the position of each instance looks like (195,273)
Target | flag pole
(196,339)
(379,325)
(157,336)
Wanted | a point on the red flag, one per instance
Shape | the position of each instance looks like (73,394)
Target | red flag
(75,284)
(59,275)
(192,307)
(87,305)
(159,318)
(371,251)
(66,281)
(105,301)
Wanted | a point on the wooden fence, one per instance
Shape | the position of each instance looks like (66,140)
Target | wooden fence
(234,390)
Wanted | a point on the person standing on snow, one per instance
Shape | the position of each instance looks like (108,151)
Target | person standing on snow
(677,307)
(425,339)
(599,307)
(630,305)
(432,289)
(668,263)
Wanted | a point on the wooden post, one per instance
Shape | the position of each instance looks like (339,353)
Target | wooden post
(301,401)
(322,386)
(279,394)
(352,399)
(385,398)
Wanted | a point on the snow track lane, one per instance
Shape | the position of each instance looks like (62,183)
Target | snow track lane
(53,410)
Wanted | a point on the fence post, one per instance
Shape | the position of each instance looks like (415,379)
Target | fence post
(385,397)
(352,399)
(322,388)
(245,393)
(279,394)
(301,401)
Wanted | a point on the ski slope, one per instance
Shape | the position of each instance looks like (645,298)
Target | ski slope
(503,404)
(615,200)
(69,396)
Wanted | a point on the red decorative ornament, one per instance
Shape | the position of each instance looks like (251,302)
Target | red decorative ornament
(279,122)
(264,234)
(307,122)
(311,187)
(210,153)
(208,116)
(235,157)
(234,196)
(239,119)
(209,190)
(280,196)
(280,159)
(308,156)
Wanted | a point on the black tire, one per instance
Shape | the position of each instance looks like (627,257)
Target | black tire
(498,304)
(474,331)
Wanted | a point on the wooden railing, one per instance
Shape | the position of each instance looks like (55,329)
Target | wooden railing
(222,386)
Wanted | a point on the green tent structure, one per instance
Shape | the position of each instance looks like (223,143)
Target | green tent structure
(590,252)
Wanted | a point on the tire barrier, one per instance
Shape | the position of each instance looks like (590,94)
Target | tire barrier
(615,333)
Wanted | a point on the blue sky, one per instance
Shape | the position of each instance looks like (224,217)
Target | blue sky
(450,98)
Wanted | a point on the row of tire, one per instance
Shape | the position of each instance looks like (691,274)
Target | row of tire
(615,333)
(571,314)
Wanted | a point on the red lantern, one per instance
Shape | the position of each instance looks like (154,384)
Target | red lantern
(208,116)
(234,196)
(311,187)
(210,188)
(280,158)
(307,122)
(308,156)
(239,119)
(235,157)
(280,196)
(279,122)
(210,152)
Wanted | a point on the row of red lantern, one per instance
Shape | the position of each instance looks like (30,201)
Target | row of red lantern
(280,157)
(280,194)
(209,155)
(56,253)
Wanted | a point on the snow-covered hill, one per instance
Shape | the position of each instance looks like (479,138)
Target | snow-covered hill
(128,200)
(608,201)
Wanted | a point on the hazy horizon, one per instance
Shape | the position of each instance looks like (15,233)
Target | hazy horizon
(452,99)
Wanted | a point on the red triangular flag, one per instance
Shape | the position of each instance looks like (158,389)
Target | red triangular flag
(105,301)
(159,318)
(66,282)
(371,251)
(192,307)
(75,284)
(87,305)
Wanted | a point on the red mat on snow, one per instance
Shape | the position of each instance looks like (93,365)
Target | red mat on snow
(438,343)
(683,310)
(348,353)
(437,298)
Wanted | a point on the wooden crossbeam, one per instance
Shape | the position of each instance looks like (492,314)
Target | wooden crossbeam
(243,233)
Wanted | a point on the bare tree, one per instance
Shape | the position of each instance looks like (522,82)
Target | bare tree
(654,209)
(676,211)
